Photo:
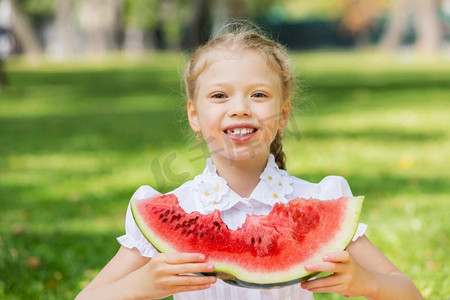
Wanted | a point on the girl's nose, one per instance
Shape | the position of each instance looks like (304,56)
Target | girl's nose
(240,106)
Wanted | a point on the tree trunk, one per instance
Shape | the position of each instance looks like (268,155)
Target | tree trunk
(99,19)
(21,27)
(195,31)
(236,8)
(63,41)
(134,40)
(170,36)
(223,10)
(397,26)
(427,25)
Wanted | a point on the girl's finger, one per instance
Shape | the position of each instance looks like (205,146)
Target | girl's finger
(324,267)
(342,257)
(190,268)
(193,280)
(181,258)
(328,281)
(327,289)
(189,288)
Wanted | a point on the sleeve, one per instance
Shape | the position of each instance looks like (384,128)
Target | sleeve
(133,237)
(360,231)
(332,187)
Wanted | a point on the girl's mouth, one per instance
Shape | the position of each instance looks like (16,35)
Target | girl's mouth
(238,132)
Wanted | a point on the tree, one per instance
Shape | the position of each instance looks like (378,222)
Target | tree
(100,20)
(22,29)
(197,23)
(63,42)
(426,24)
(140,17)
(208,16)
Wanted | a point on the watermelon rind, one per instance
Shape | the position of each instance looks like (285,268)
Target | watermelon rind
(149,234)
(236,275)
(230,279)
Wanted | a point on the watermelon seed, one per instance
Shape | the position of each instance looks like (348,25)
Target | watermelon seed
(259,240)
(216,223)
(173,219)
(253,240)
(166,213)
(164,220)
(161,216)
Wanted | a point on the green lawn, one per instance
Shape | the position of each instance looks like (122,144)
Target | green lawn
(77,139)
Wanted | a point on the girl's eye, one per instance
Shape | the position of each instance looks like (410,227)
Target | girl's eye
(219,96)
(259,95)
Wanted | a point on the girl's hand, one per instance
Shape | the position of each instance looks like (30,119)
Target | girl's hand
(348,278)
(170,273)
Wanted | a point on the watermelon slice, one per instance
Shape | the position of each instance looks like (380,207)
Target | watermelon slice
(266,251)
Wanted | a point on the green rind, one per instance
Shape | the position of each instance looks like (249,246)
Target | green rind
(235,281)
(151,236)
(236,275)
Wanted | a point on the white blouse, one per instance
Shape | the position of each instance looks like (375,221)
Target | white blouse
(208,191)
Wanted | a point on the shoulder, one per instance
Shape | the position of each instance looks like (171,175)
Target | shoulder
(146,191)
(143,192)
(330,187)
(187,194)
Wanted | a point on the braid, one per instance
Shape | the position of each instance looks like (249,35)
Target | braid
(276,148)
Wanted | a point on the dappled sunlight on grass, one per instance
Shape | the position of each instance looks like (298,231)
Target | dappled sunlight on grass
(369,63)
(79,138)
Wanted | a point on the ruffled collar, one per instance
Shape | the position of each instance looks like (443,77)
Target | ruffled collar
(214,192)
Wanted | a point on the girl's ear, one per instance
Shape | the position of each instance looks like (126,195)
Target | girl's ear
(285,112)
(193,116)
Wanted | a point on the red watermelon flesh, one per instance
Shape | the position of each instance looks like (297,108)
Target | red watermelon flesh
(266,251)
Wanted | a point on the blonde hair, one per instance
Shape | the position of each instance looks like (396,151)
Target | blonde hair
(242,35)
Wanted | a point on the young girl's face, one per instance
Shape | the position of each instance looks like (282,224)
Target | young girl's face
(238,105)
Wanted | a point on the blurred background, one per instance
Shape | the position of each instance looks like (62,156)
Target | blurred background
(92,107)
(58,29)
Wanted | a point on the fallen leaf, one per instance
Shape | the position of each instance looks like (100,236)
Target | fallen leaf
(33,262)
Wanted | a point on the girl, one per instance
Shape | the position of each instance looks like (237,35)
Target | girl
(239,87)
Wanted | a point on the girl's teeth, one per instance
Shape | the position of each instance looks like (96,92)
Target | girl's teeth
(240,131)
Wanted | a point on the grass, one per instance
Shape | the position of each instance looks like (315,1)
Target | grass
(78,138)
